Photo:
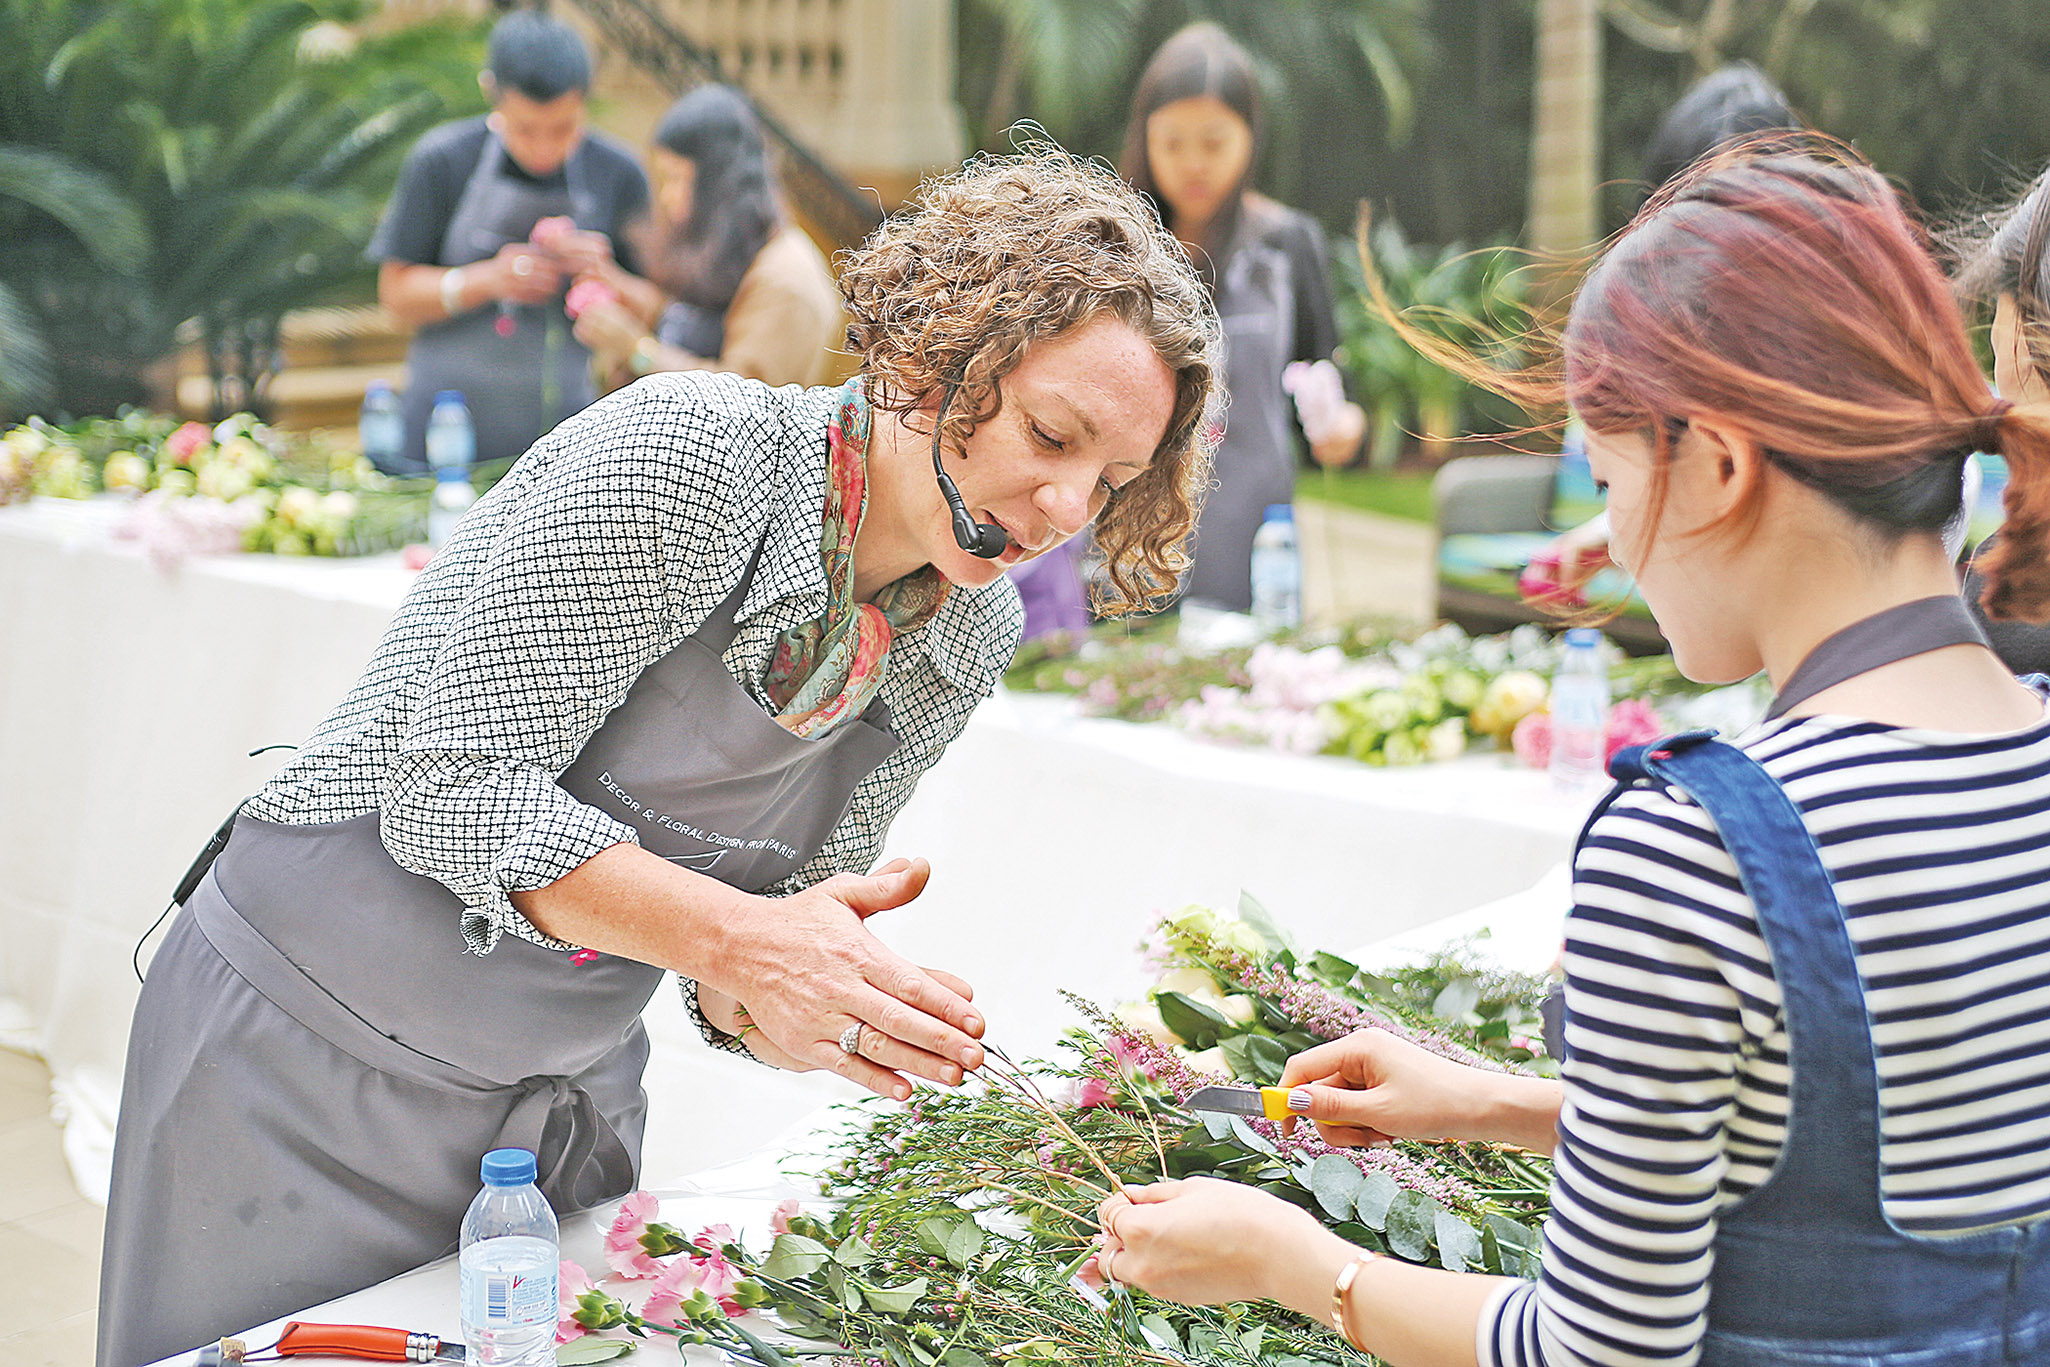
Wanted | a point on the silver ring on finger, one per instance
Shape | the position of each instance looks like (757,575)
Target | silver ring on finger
(523,266)
(850,1039)
(1103,1266)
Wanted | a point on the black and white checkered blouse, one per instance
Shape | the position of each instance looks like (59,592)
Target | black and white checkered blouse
(608,543)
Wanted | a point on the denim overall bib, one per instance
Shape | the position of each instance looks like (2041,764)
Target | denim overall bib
(1808,1269)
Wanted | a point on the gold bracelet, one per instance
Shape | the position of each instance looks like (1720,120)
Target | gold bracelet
(1338,1290)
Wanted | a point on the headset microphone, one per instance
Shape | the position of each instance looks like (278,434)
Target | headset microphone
(984,539)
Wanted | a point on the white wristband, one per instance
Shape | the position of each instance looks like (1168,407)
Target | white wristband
(452,291)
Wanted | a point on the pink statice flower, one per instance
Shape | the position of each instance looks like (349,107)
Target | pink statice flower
(571,1282)
(1633,721)
(625,1253)
(780,1217)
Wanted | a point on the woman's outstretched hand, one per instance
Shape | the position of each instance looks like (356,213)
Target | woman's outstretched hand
(806,967)
(1372,1087)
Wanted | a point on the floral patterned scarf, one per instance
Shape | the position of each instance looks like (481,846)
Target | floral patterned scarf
(825,672)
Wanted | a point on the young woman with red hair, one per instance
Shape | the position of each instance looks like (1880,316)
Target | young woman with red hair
(1804,1112)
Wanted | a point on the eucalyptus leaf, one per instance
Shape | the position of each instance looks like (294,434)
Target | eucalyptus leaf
(1218,1124)
(1252,1138)
(963,1357)
(964,1244)
(895,1300)
(1334,1181)
(854,1253)
(1192,1022)
(793,1256)
(1252,1339)
(1158,1326)
(1411,1223)
(591,1350)
(1459,1244)
(1456,998)
(1377,1191)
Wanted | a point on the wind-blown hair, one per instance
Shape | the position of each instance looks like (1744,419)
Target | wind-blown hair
(1013,250)
(733,197)
(1782,289)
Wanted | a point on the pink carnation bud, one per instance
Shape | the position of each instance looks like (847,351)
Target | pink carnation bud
(586,293)
(779,1218)
(1094,1092)
(624,1252)
(1532,740)
(183,443)
(571,1282)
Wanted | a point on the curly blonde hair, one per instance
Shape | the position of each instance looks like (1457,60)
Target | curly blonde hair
(1013,250)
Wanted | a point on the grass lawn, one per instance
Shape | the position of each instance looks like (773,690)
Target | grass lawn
(1392,493)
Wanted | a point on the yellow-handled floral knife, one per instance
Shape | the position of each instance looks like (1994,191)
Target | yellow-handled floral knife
(1271,1102)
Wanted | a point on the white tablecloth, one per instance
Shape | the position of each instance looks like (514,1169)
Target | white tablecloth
(129,700)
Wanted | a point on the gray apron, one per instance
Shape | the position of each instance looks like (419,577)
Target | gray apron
(317,1065)
(1256,459)
(520,385)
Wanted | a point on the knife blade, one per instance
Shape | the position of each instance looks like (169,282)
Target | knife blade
(1270,1102)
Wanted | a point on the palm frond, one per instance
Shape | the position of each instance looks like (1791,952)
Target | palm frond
(104,220)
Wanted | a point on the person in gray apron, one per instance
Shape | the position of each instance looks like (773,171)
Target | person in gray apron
(1191,144)
(458,252)
(1800,1115)
(647,712)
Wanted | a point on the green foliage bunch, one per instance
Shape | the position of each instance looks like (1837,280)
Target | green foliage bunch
(214,162)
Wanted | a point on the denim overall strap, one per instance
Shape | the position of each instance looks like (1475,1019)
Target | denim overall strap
(1828,1173)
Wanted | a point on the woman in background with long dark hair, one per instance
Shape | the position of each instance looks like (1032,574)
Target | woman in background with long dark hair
(734,285)
(1190,146)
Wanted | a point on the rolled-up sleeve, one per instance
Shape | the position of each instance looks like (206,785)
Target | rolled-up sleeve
(571,597)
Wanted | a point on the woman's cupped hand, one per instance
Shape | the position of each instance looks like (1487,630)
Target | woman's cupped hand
(805,967)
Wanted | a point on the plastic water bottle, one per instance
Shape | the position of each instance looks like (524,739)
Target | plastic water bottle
(451,440)
(382,427)
(509,1262)
(1277,571)
(452,497)
(1580,714)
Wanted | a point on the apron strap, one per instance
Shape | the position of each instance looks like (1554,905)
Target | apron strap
(1902,631)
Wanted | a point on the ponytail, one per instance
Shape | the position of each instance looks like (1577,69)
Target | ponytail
(2017,570)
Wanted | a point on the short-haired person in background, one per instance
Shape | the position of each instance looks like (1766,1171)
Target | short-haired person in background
(732,284)
(1803,1114)
(2009,268)
(460,257)
(1190,145)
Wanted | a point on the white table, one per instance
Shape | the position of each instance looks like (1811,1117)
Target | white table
(129,700)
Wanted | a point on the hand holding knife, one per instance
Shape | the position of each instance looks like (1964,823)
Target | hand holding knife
(1269,1102)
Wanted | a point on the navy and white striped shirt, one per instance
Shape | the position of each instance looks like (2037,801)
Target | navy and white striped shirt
(1677,1079)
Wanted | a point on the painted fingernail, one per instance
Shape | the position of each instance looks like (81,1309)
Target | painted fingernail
(1299,1099)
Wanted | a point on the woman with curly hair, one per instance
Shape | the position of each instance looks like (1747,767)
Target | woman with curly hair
(651,711)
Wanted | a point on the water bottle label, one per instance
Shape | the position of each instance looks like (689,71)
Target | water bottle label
(508,1299)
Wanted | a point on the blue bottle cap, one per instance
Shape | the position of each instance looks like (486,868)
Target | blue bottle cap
(508,1168)
(1279,512)
(1586,638)
(448,396)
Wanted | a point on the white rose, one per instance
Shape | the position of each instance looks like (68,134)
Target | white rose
(1238,1008)
(1190,982)
(297,504)
(1211,1061)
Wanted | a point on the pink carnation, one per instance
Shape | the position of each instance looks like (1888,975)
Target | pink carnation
(1532,740)
(779,1218)
(571,1282)
(711,1274)
(1094,1092)
(712,1238)
(624,1252)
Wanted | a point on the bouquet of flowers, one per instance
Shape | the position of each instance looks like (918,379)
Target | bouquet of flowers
(200,489)
(952,1228)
